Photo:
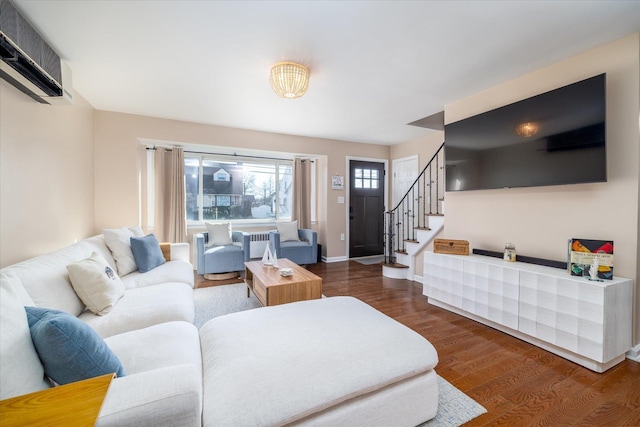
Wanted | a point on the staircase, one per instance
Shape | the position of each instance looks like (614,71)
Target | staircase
(415,221)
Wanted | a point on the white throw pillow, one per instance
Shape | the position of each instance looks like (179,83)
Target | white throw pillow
(136,230)
(119,243)
(288,231)
(95,282)
(219,234)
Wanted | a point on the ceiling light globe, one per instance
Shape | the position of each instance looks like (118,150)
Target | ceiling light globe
(289,80)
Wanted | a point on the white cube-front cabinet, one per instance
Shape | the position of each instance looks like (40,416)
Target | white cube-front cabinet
(586,322)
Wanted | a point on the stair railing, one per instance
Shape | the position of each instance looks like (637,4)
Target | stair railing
(421,200)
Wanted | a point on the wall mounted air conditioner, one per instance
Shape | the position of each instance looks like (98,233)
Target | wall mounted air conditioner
(29,63)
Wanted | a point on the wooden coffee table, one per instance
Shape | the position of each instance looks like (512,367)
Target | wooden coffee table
(273,289)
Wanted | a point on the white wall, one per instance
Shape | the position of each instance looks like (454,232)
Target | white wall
(539,220)
(46,175)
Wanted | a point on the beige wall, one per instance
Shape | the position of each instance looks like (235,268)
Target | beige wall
(539,220)
(425,147)
(119,165)
(47,175)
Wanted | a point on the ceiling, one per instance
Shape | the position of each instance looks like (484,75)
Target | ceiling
(375,65)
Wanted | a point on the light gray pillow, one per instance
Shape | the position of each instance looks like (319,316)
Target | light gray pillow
(219,233)
(288,231)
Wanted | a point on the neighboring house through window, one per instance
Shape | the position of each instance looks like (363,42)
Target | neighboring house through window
(239,190)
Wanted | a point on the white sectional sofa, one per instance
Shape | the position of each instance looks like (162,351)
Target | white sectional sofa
(334,361)
(150,329)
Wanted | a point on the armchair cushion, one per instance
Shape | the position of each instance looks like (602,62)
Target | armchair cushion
(213,250)
(288,231)
(219,234)
(297,244)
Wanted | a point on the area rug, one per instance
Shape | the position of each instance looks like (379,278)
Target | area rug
(454,407)
(370,260)
(219,300)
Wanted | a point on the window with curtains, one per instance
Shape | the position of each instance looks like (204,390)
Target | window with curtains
(242,190)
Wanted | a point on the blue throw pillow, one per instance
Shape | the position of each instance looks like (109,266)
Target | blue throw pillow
(147,252)
(68,348)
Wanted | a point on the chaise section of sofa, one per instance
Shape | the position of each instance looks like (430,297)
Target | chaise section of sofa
(333,361)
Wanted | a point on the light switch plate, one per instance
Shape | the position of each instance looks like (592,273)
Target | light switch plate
(340,199)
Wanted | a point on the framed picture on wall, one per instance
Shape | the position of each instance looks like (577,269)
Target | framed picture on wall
(337,182)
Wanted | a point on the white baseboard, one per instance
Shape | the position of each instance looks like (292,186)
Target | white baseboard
(418,279)
(335,259)
(634,353)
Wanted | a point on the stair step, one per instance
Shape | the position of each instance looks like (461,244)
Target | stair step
(411,240)
(402,252)
(396,265)
(422,228)
(433,214)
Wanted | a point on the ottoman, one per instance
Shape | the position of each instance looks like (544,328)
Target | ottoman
(333,361)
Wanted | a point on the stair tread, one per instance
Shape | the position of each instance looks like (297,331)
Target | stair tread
(433,214)
(396,265)
(422,228)
(411,240)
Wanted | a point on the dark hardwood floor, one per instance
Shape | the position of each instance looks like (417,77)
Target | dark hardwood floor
(518,383)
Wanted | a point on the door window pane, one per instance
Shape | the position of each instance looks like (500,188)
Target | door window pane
(366,178)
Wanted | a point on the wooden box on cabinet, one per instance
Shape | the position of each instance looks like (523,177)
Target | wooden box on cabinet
(453,247)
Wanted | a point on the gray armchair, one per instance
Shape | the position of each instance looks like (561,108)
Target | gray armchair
(224,258)
(301,252)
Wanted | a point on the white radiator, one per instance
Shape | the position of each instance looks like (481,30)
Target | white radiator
(259,241)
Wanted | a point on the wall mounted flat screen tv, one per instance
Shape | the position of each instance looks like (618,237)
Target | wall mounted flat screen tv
(554,138)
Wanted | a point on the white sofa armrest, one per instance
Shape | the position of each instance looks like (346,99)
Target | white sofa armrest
(170,396)
(175,251)
(179,252)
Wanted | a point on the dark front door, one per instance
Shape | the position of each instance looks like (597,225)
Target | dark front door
(366,208)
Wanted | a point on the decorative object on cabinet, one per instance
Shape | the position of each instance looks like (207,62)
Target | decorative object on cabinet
(582,253)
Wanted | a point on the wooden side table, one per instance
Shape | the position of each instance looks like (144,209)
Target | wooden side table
(74,404)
